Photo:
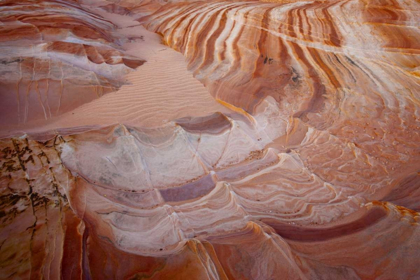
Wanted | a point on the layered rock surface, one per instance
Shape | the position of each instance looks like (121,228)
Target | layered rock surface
(252,140)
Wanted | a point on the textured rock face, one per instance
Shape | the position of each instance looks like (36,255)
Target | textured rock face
(235,139)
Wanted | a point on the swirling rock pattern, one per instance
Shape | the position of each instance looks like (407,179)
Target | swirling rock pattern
(300,159)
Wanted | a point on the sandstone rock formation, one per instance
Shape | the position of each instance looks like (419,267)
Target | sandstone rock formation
(224,139)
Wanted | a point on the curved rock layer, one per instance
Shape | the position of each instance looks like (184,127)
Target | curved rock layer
(55,56)
(299,160)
